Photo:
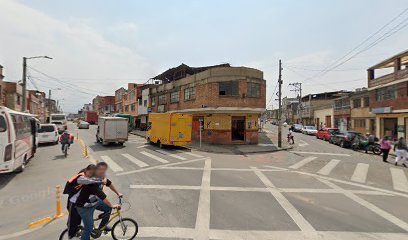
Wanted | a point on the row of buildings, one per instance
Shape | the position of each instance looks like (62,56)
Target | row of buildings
(225,101)
(11,95)
(380,108)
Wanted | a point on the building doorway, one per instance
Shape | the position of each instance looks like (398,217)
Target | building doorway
(390,126)
(328,121)
(238,128)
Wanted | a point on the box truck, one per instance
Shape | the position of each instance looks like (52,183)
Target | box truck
(170,129)
(91,117)
(112,130)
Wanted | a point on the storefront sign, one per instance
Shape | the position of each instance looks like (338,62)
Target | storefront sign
(401,128)
(381,110)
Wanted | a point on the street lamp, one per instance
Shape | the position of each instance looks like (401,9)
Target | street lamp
(24,103)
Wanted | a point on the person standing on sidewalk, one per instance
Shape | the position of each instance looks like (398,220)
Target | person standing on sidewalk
(401,149)
(385,146)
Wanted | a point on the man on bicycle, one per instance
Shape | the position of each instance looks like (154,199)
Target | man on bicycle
(66,138)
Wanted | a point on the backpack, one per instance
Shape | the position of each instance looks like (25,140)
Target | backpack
(72,186)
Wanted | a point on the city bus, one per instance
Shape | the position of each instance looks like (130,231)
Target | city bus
(60,120)
(18,132)
(129,117)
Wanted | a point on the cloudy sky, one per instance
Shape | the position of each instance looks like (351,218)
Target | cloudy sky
(100,45)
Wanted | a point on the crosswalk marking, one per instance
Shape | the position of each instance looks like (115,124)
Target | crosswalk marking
(399,180)
(170,154)
(155,157)
(190,153)
(302,162)
(135,160)
(112,164)
(328,167)
(360,173)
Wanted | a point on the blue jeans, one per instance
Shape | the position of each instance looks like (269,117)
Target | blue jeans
(87,218)
(101,206)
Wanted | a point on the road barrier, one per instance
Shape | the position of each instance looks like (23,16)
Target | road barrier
(58,211)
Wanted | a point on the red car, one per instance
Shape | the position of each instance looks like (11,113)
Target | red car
(326,133)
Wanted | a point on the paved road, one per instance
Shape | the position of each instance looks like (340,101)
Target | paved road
(315,191)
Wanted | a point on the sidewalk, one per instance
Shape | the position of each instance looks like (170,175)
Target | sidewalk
(266,144)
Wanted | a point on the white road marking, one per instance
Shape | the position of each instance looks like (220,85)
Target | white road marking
(399,180)
(360,173)
(112,164)
(135,160)
(326,170)
(141,146)
(322,153)
(302,162)
(302,223)
(202,225)
(389,217)
(223,169)
(170,154)
(189,153)
(303,143)
(155,157)
(170,187)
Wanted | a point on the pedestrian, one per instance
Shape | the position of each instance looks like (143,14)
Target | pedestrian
(385,146)
(401,149)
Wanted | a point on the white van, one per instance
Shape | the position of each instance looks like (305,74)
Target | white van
(17,139)
(60,120)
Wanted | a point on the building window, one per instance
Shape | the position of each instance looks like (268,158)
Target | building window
(162,99)
(132,96)
(175,97)
(153,100)
(145,103)
(359,123)
(228,88)
(18,100)
(140,102)
(253,89)
(127,108)
(386,93)
(357,103)
(133,107)
(189,93)
(366,101)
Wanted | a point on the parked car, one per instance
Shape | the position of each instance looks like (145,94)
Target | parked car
(297,127)
(344,139)
(83,125)
(48,133)
(326,133)
(309,130)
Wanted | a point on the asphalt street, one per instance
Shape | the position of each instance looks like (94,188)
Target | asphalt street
(314,191)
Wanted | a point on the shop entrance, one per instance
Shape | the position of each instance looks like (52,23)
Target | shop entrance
(238,128)
(390,126)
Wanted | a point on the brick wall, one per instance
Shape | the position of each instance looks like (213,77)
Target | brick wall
(400,103)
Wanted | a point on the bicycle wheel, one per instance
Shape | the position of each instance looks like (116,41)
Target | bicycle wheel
(126,229)
(64,234)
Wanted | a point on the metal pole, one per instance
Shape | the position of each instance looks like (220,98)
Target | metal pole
(49,105)
(280,106)
(200,133)
(24,102)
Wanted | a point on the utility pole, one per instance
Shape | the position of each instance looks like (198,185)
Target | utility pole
(280,106)
(24,102)
(49,103)
(298,89)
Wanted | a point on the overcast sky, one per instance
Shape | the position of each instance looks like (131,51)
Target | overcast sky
(99,46)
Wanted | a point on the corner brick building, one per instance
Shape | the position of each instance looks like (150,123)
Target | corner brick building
(389,96)
(226,101)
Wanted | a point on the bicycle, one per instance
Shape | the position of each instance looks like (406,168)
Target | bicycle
(122,225)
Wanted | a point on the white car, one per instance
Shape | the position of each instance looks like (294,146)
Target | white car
(309,130)
(48,133)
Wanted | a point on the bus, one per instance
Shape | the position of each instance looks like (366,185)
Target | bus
(60,120)
(18,133)
(129,117)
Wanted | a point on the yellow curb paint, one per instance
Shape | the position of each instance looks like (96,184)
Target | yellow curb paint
(40,222)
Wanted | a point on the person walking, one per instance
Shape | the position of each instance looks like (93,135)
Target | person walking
(385,146)
(401,149)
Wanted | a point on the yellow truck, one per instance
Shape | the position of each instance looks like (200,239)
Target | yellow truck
(170,129)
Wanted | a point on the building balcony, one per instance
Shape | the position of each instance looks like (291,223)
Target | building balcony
(401,74)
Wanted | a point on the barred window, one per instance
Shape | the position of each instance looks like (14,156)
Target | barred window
(359,123)
(162,99)
(175,97)
(153,100)
(228,88)
(357,103)
(366,102)
(189,93)
(253,90)
(386,93)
